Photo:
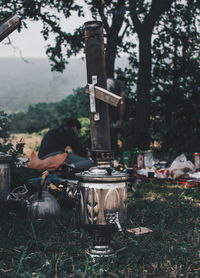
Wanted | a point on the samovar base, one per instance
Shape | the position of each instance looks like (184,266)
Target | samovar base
(104,251)
(100,241)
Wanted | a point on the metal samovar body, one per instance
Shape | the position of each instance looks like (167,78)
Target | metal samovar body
(102,193)
(103,206)
(4,176)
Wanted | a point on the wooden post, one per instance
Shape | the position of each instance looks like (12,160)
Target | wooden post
(95,62)
(8,26)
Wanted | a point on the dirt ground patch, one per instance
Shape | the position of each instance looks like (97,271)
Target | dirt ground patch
(31,141)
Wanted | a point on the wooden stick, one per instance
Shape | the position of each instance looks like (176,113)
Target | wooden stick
(8,26)
(105,96)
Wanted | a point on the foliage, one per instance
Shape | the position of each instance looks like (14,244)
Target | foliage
(175,90)
(19,175)
(36,118)
(43,249)
(75,105)
(85,132)
(49,115)
(130,77)
(4,125)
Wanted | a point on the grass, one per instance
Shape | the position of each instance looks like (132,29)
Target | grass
(46,250)
(31,141)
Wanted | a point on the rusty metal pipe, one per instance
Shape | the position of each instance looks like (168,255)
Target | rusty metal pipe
(95,63)
(8,26)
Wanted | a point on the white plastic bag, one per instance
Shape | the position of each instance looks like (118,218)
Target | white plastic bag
(149,160)
(181,166)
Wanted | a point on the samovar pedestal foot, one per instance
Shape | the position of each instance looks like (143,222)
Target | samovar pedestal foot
(100,244)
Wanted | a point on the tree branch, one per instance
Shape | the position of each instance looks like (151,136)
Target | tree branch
(100,7)
(56,28)
(118,17)
(125,29)
(157,9)
(16,49)
(133,13)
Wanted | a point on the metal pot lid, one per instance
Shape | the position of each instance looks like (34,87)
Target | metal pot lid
(102,174)
(5,158)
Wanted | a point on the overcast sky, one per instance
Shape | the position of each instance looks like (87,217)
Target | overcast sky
(30,43)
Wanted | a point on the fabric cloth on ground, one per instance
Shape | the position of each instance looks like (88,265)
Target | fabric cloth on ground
(53,161)
(48,163)
(74,161)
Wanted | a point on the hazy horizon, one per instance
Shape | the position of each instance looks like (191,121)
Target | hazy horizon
(23,84)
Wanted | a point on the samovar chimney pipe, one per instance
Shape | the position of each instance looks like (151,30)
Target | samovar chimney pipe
(96,69)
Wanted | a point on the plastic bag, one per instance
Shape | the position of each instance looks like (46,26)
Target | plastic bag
(181,166)
(146,159)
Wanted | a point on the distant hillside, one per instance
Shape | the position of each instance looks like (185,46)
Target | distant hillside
(22,84)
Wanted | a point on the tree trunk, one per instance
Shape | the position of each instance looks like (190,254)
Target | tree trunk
(144,31)
(172,101)
(142,121)
(111,50)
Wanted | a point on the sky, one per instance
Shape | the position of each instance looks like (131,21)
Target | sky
(30,42)
(27,43)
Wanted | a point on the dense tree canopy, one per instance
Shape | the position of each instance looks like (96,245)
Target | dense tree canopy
(166,36)
(176,78)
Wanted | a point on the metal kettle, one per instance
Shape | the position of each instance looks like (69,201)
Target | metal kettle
(43,205)
(4,176)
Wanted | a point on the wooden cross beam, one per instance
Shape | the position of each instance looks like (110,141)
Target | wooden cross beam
(8,26)
(105,95)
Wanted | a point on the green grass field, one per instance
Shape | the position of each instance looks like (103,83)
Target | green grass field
(45,250)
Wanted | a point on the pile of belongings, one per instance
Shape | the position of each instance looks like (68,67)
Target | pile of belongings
(180,167)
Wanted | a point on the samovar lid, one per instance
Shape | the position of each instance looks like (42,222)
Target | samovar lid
(103,174)
(4,158)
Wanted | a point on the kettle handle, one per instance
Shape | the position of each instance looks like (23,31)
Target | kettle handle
(43,181)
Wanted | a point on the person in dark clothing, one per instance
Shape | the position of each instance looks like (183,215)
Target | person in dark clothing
(117,114)
(56,140)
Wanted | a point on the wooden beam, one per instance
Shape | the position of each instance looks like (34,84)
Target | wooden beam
(105,96)
(8,26)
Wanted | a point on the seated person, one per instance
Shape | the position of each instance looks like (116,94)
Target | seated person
(117,114)
(53,149)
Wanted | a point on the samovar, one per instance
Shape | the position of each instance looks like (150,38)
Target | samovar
(103,206)
(103,195)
